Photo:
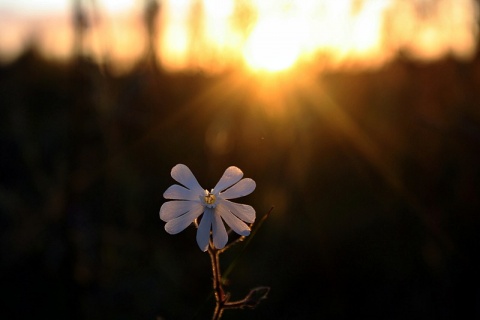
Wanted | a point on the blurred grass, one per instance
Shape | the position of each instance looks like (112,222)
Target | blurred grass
(376,215)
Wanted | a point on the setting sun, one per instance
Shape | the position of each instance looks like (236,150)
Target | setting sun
(216,35)
(273,46)
(277,35)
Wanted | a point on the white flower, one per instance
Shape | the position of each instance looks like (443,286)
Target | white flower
(193,200)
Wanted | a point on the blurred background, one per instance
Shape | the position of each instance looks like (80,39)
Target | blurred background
(359,121)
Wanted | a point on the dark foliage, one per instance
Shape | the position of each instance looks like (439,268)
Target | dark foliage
(376,215)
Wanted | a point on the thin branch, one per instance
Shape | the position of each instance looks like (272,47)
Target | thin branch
(251,300)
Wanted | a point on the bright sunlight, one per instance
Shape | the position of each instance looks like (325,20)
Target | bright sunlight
(267,35)
(273,46)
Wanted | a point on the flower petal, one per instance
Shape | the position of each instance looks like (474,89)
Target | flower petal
(177,192)
(184,175)
(220,236)
(242,211)
(232,221)
(173,209)
(231,176)
(178,224)
(203,232)
(241,189)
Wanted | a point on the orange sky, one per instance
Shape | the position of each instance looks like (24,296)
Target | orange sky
(214,35)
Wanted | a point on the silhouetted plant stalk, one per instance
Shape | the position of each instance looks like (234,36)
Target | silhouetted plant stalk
(222,298)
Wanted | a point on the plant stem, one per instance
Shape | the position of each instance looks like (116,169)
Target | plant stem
(220,297)
(251,300)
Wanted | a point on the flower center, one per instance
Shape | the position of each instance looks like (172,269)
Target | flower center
(209,199)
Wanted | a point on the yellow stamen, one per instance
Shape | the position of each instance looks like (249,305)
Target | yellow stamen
(209,198)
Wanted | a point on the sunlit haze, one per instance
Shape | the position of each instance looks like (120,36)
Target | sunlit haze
(216,35)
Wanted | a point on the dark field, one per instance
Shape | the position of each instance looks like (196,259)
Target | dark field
(374,176)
